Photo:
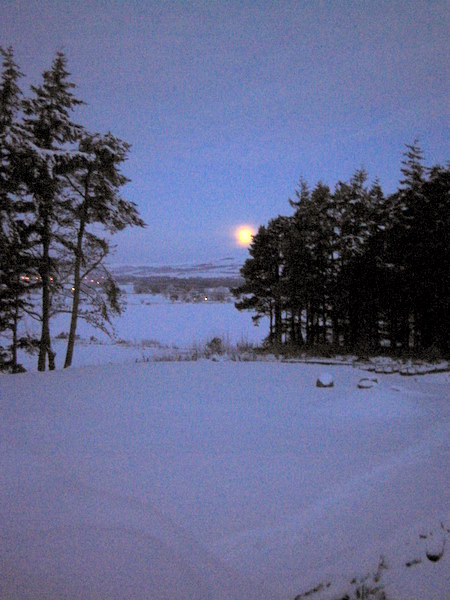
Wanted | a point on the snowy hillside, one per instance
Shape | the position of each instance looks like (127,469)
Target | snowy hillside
(150,325)
(223,481)
(224,267)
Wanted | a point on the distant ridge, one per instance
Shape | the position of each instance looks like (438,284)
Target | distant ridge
(225,267)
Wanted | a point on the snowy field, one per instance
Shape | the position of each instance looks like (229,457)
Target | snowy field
(151,325)
(227,481)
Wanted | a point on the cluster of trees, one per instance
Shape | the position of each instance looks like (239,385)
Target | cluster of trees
(187,289)
(59,202)
(352,269)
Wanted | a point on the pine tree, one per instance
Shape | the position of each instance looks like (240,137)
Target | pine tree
(15,258)
(356,267)
(51,146)
(319,244)
(352,214)
(429,261)
(94,181)
(262,288)
(413,171)
(405,233)
(297,264)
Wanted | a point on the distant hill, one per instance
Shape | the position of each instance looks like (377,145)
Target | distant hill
(187,282)
(223,268)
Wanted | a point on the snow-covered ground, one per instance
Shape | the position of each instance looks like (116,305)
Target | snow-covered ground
(224,267)
(223,480)
(151,325)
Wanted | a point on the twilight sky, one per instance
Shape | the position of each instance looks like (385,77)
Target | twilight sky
(227,103)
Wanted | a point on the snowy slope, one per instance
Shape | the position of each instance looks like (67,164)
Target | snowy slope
(150,321)
(225,267)
(221,480)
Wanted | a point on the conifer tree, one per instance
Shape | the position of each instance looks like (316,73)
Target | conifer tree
(59,203)
(352,215)
(52,137)
(317,282)
(432,299)
(262,290)
(297,267)
(357,268)
(94,180)
(15,258)
(405,232)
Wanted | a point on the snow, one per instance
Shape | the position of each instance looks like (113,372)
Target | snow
(366,383)
(325,380)
(225,267)
(151,325)
(222,480)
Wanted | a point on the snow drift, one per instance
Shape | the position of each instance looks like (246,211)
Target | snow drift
(221,481)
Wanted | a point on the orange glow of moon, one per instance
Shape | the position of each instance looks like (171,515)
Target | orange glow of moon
(243,235)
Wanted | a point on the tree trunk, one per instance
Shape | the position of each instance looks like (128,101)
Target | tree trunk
(336,334)
(76,296)
(278,322)
(15,325)
(271,324)
(308,325)
(44,344)
(293,328)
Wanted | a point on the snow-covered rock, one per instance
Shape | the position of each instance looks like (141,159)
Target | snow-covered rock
(408,371)
(435,545)
(246,356)
(269,358)
(325,380)
(367,382)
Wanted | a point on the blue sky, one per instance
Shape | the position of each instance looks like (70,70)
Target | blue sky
(227,104)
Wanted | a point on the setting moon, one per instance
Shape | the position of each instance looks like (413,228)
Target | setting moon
(243,235)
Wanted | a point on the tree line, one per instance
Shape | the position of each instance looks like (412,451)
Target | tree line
(60,202)
(355,270)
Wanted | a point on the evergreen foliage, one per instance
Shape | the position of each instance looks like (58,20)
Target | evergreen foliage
(52,138)
(57,181)
(15,258)
(94,182)
(355,271)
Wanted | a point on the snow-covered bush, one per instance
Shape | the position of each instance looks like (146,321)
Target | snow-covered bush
(214,346)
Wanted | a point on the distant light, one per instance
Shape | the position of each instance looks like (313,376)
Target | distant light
(244,235)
